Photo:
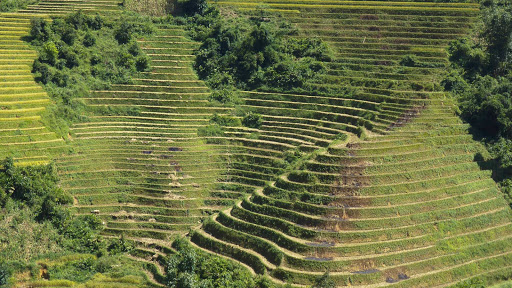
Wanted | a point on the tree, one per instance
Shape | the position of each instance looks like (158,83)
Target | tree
(252,120)
(192,7)
(50,53)
(324,281)
(497,33)
(5,273)
(40,30)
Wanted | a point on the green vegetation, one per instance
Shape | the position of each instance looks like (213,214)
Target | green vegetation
(190,268)
(13,5)
(80,53)
(321,151)
(37,227)
(482,81)
(251,53)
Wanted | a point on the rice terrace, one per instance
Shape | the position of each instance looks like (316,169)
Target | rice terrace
(256,144)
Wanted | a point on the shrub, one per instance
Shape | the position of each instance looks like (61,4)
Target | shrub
(89,40)
(410,61)
(192,7)
(225,120)
(324,281)
(210,131)
(42,71)
(253,53)
(13,5)
(40,30)
(5,274)
(50,53)
(95,23)
(252,120)
(79,20)
(142,63)
(69,36)
(224,96)
(303,177)
(121,245)
(134,49)
(473,283)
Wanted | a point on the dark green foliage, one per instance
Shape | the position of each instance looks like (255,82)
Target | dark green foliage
(89,40)
(69,35)
(308,47)
(252,120)
(290,74)
(225,120)
(5,273)
(487,104)
(123,34)
(13,5)
(324,281)
(224,96)
(191,268)
(469,56)
(482,80)
(497,33)
(192,7)
(142,63)
(410,61)
(40,29)
(303,177)
(36,187)
(254,52)
(79,53)
(127,30)
(82,235)
(211,132)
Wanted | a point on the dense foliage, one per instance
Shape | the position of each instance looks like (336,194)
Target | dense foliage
(190,268)
(80,53)
(35,223)
(482,79)
(13,5)
(252,52)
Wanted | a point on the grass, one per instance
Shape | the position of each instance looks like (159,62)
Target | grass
(408,199)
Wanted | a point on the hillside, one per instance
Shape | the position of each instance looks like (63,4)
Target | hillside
(368,173)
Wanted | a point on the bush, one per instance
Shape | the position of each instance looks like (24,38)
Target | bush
(89,40)
(123,34)
(253,53)
(5,274)
(225,120)
(69,36)
(40,30)
(49,53)
(142,63)
(410,61)
(324,281)
(224,96)
(191,268)
(32,185)
(13,5)
(252,120)
(192,7)
(210,131)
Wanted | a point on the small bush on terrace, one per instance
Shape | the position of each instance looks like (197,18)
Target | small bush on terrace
(252,120)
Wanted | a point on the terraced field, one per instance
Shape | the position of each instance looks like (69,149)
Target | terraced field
(22,101)
(405,205)
(409,206)
(149,174)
